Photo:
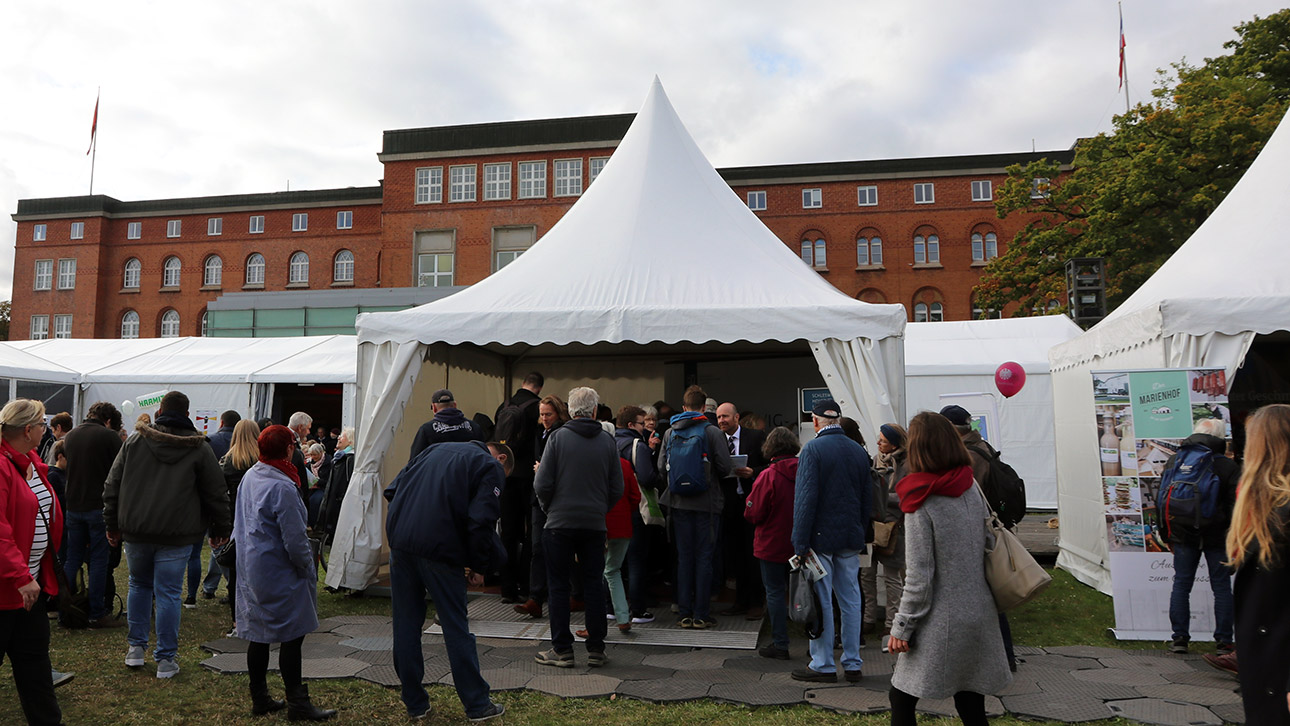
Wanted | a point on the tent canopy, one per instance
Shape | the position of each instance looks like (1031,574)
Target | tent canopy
(16,363)
(973,347)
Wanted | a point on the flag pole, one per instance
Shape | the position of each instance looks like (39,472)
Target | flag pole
(94,147)
(1124,66)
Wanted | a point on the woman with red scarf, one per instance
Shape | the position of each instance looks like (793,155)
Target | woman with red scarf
(31,525)
(277,582)
(946,629)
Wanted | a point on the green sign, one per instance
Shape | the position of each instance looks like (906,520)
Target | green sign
(1161,404)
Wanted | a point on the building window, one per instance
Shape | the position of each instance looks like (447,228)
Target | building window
(44,278)
(170,272)
(532,180)
(927,249)
(497,181)
(213,271)
(979,313)
(511,242)
(924,193)
(134,230)
(257,224)
(66,274)
(936,313)
(132,269)
(920,312)
(868,251)
(300,222)
(78,230)
(757,201)
(39,327)
(434,264)
(982,191)
(812,199)
(298,269)
(1039,188)
(461,183)
(38,233)
(345,220)
(173,227)
(984,246)
(872,295)
(596,165)
(214,226)
(430,185)
(255,269)
(867,196)
(342,269)
(568,177)
(203,326)
(170,324)
(130,325)
(62,327)
(814,252)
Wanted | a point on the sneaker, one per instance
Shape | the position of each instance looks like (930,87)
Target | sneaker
(167,668)
(555,658)
(493,711)
(420,716)
(1178,645)
(190,602)
(610,616)
(232,633)
(774,652)
(596,660)
(1225,662)
(685,623)
(134,656)
(208,594)
(61,679)
(853,676)
(530,607)
(814,676)
(642,617)
(703,623)
(675,608)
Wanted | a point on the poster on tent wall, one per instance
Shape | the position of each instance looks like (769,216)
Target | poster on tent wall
(1142,418)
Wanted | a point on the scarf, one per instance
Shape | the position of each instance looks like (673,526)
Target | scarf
(914,489)
(173,420)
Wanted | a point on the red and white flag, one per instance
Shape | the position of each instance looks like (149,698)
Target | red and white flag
(1121,51)
(94,126)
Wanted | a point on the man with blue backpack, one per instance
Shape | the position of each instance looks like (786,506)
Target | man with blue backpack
(1194,504)
(695,459)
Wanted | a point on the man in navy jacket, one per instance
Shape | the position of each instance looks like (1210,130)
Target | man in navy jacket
(830,508)
(442,521)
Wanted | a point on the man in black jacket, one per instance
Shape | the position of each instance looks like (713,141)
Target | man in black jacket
(221,439)
(442,517)
(517,427)
(448,424)
(737,533)
(90,449)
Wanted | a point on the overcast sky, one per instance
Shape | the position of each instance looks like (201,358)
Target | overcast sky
(243,96)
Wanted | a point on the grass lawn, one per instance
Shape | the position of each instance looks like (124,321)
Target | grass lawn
(106,692)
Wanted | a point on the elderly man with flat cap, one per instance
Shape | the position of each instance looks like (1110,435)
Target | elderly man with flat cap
(448,424)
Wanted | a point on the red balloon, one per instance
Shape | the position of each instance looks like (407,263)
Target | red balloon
(1009,378)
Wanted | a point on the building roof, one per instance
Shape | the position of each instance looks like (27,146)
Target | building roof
(926,165)
(507,134)
(101,204)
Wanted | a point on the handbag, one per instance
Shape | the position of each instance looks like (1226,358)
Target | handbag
(804,602)
(1015,578)
(884,536)
(226,554)
(72,603)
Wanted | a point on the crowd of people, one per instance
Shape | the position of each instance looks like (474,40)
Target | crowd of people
(569,506)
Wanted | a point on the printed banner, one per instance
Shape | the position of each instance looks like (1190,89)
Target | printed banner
(1143,416)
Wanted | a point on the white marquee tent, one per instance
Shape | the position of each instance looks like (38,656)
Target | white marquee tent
(961,357)
(657,262)
(1202,308)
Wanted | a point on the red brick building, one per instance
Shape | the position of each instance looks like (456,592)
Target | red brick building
(456,204)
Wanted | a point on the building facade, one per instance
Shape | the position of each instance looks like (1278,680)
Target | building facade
(458,203)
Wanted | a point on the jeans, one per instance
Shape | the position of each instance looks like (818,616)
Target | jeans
(638,563)
(841,579)
(411,577)
(87,540)
(969,705)
(774,578)
(24,638)
(696,534)
(194,569)
(156,573)
(1186,560)
(561,546)
(615,553)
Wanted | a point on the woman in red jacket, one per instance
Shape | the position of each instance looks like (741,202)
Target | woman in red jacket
(31,525)
(770,510)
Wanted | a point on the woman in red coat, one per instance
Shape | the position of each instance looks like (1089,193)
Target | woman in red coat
(31,525)
(770,509)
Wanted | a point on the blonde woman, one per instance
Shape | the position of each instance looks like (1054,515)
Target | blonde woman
(1258,544)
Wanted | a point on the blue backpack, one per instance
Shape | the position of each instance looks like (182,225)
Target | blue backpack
(1188,496)
(687,459)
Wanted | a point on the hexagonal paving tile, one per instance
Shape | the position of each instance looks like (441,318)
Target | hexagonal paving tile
(1020,685)
(1230,714)
(1199,695)
(1057,707)
(758,694)
(1209,678)
(761,665)
(848,700)
(688,660)
(363,630)
(1166,713)
(371,642)
(664,690)
(504,679)
(326,650)
(1057,682)
(944,707)
(315,668)
(226,645)
(1147,663)
(1119,676)
(380,674)
(635,672)
(1057,662)
(722,675)
(375,657)
(1085,651)
(584,686)
(786,679)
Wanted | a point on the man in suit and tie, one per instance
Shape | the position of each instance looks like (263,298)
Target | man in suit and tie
(738,533)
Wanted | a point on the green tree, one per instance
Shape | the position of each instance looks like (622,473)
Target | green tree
(4,320)
(1135,195)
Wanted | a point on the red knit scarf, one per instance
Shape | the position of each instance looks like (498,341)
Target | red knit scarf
(914,489)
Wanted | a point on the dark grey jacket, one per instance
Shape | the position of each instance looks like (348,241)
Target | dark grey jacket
(579,479)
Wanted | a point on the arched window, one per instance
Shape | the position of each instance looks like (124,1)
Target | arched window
(920,312)
(979,313)
(132,270)
(814,252)
(343,267)
(203,329)
(985,246)
(872,295)
(929,305)
(298,269)
(868,249)
(213,271)
(170,324)
(255,269)
(170,272)
(927,249)
(937,312)
(130,324)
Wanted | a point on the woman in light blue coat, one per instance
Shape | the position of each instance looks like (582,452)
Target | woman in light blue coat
(277,584)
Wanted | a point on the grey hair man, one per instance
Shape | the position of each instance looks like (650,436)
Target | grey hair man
(578,481)
(300,423)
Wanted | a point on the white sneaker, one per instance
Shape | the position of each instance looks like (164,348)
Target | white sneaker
(641,618)
(167,668)
(610,616)
(134,656)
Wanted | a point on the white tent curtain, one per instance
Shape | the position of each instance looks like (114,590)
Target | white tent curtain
(853,371)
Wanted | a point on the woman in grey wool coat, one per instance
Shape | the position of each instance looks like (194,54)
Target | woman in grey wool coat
(946,629)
